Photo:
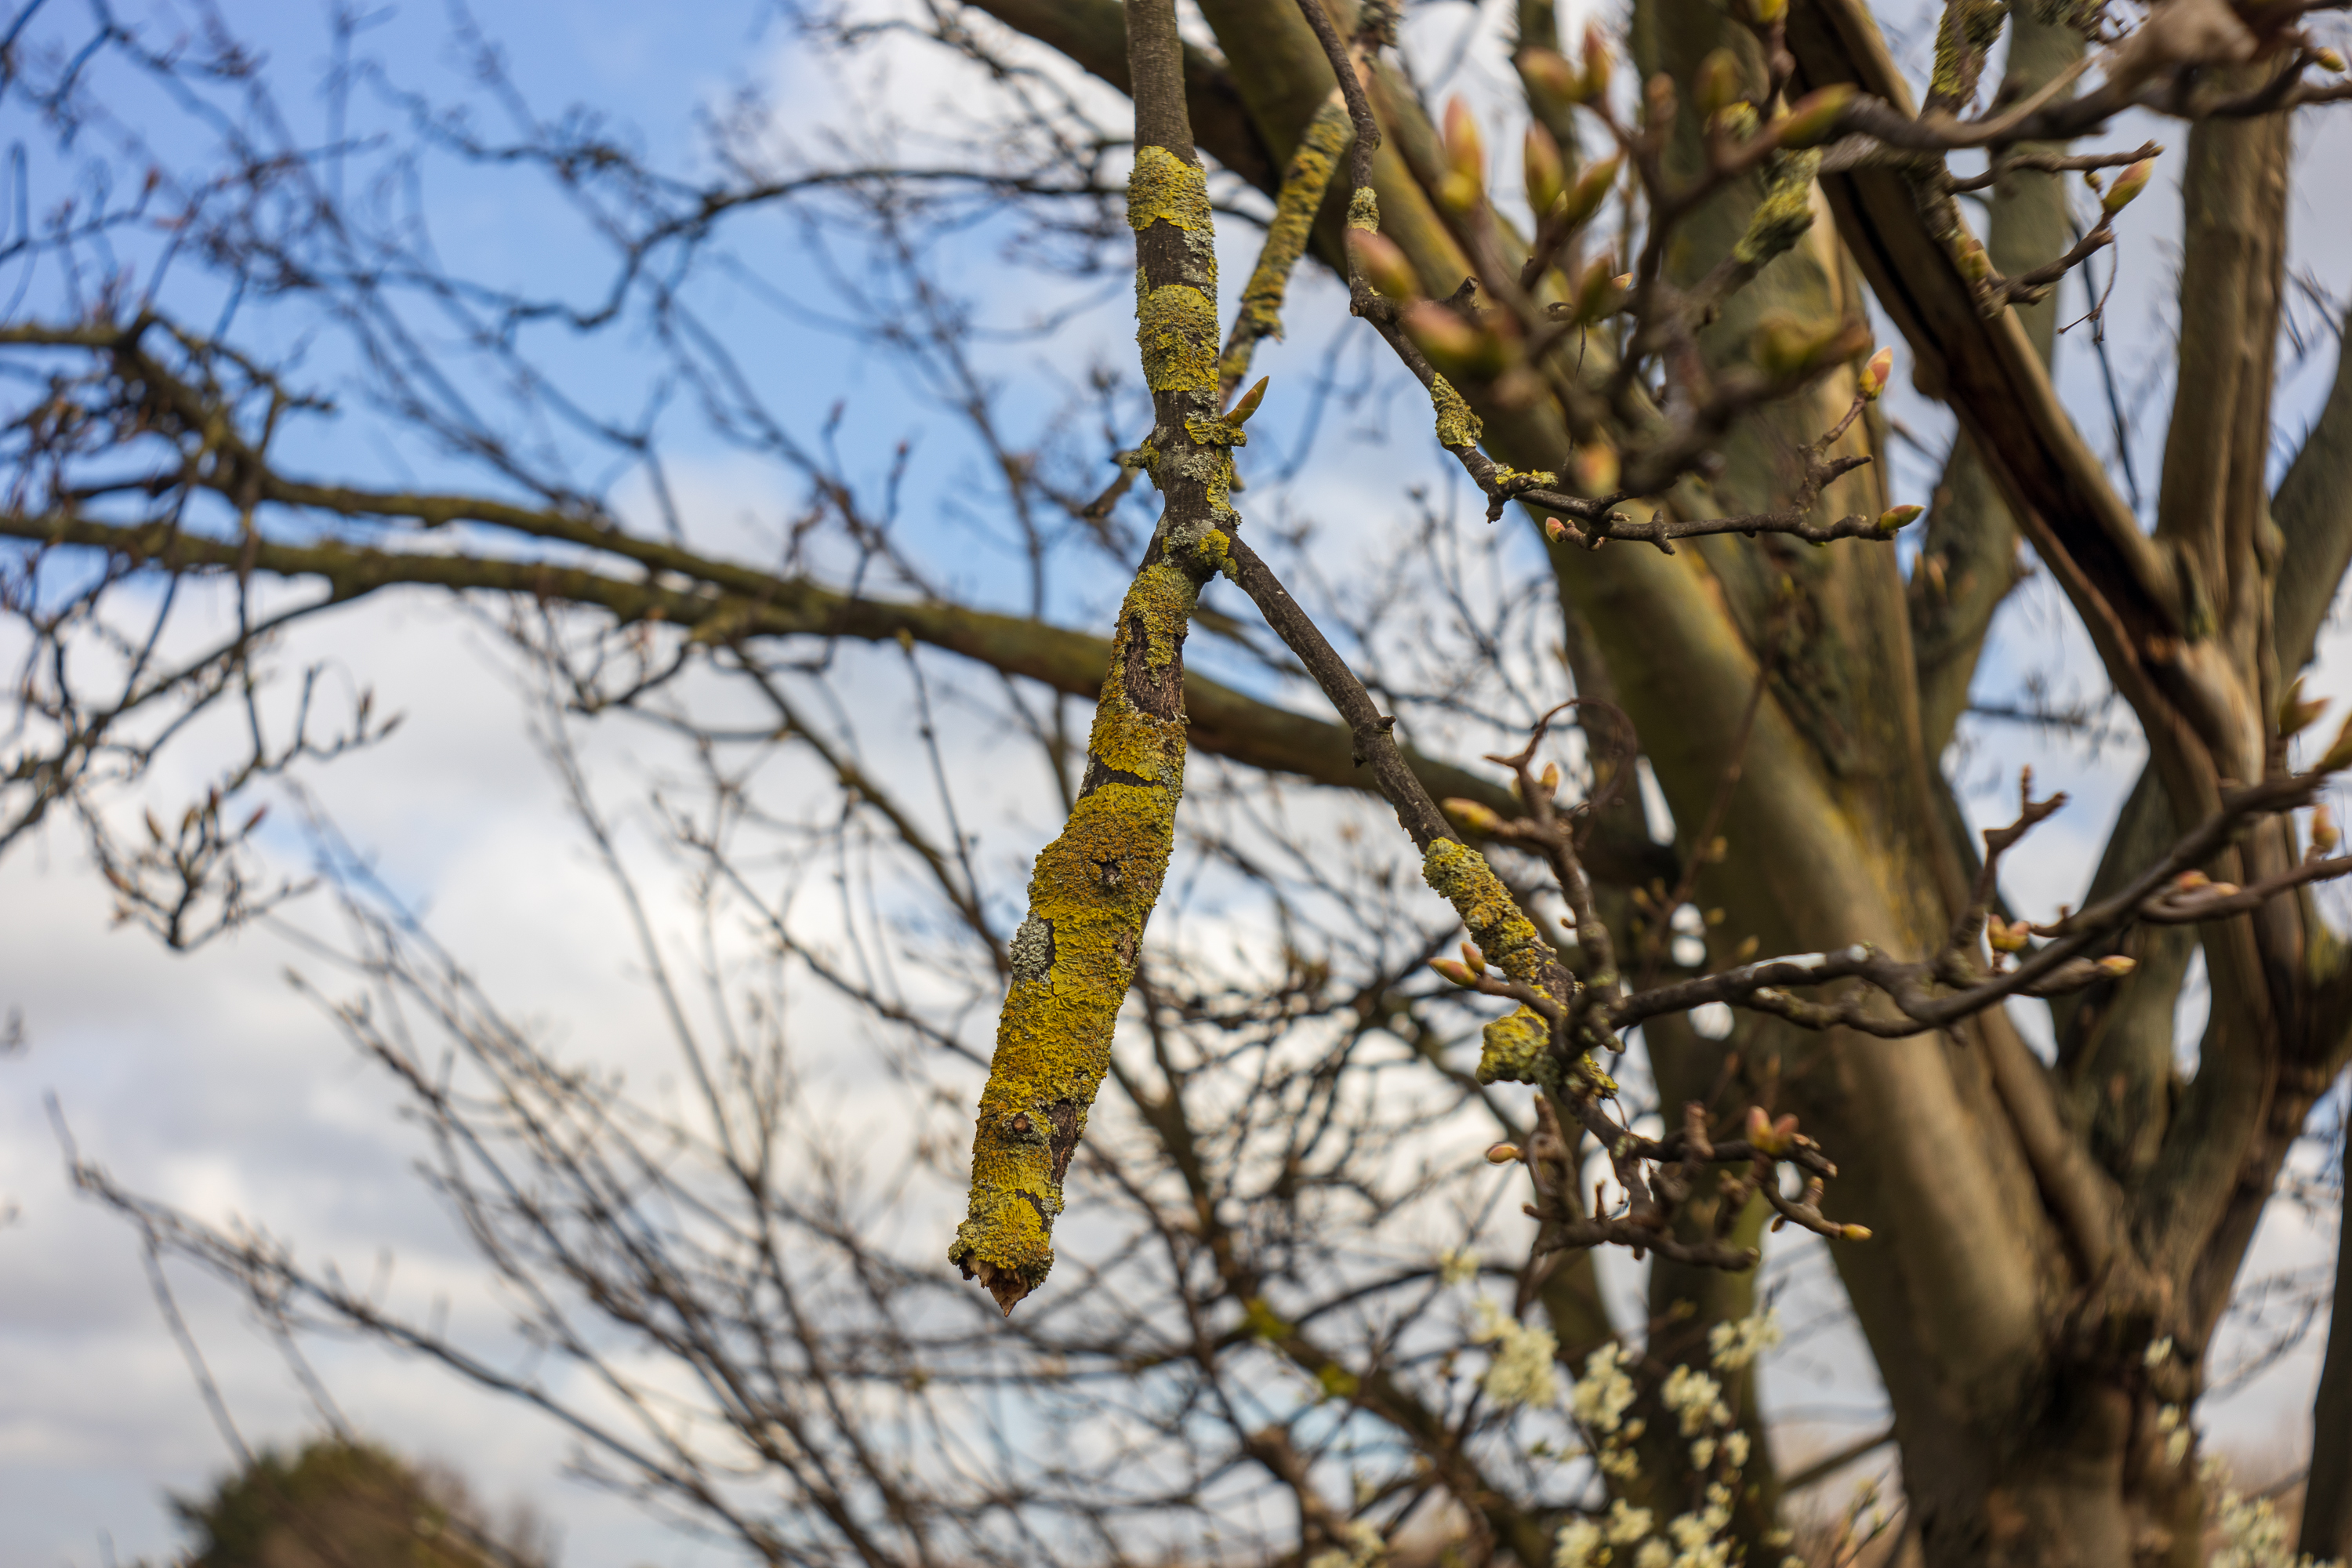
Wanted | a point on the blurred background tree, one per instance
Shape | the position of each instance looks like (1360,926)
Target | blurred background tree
(339,1503)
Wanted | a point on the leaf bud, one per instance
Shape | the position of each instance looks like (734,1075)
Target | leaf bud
(1974,264)
(1597,292)
(1473,958)
(1596,469)
(1453,344)
(2115,966)
(1452,970)
(1465,159)
(2005,936)
(1854,1232)
(1478,819)
(1764,12)
(1812,118)
(2324,835)
(1875,375)
(2340,753)
(1503,1153)
(1547,177)
(1591,188)
(2327,59)
(1785,346)
(1555,530)
(2296,712)
(1549,72)
(1717,86)
(1894,518)
(2129,184)
(1549,779)
(1384,266)
(1246,405)
(1658,102)
(1600,61)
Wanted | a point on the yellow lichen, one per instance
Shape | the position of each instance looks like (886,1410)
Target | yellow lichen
(1176,327)
(1784,215)
(1214,551)
(1215,432)
(1093,888)
(1336,1381)
(1300,198)
(1090,893)
(1509,940)
(1164,188)
(1364,210)
(1515,1048)
(1264,1322)
(1456,425)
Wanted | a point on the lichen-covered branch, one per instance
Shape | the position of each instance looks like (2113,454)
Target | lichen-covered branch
(1093,887)
(1303,182)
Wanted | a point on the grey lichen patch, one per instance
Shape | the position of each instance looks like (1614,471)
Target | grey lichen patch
(1785,213)
(1364,210)
(1032,950)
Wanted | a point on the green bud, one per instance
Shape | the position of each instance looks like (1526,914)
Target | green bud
(1658,102)
(1594,183)
(1785,346)
(2339,755)
(1718,85)
(1896,518)
(1453,344)
(1597,290)
(1597,470)
(1384,266)
(1247,402)
(1873,377)
(1600,61)
(1550,73)
(2128,183)
(1546,177)
(2296,712)
(1465,159)
(1478,819)
(1812,118)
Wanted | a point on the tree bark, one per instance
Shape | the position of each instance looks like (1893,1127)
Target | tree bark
(2327,1489)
